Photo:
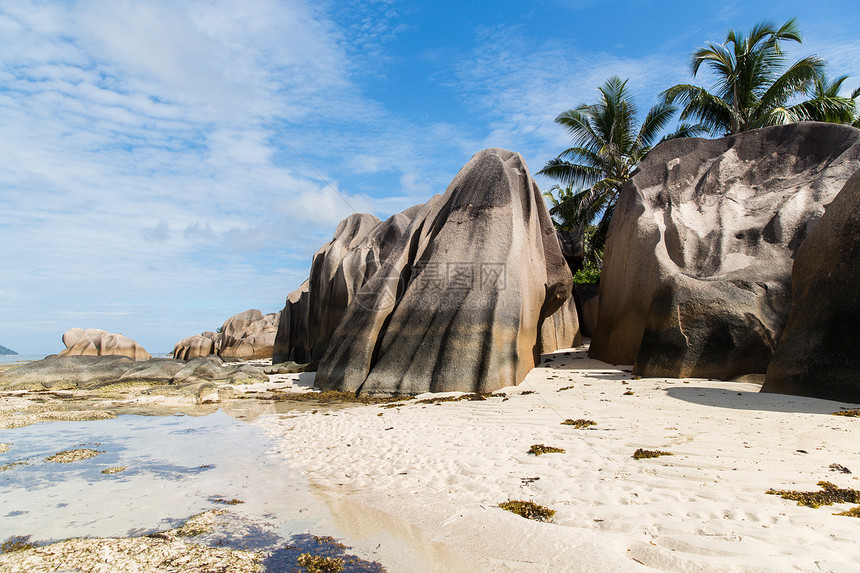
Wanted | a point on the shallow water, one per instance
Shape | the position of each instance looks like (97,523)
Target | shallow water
(177,466)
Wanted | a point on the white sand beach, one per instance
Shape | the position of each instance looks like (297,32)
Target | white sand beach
(431,476)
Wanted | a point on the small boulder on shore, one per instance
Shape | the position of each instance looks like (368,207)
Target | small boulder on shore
(96,342)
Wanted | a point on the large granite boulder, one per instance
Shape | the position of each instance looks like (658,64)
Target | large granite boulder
(87,372)
(195,346)
(291,340)
(96,342)
(819,352)
(249,335)
(572,247)
(459,301)
(339,270)
(697,271)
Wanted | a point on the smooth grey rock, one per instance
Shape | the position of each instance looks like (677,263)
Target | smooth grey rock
(458,303)
(57,372)
(697,269)
(561,328)
(339,270)
(249,335)
(819,352)
(290,367)
(195,346)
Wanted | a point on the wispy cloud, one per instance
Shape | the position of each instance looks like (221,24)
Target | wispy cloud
(522,85)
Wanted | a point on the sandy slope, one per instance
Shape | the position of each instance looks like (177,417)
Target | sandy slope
(431,476)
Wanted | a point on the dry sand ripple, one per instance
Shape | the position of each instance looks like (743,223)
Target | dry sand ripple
(434,474)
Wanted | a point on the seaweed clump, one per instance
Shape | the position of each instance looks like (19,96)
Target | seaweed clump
(16,543)
(853,512)
(848,413)
(320,563)
(528,509)
(579,424)
(538,449)
(827,495)
(73,455)
(115,470)
(642,454)
(233,501)
(475,397)
(335,396)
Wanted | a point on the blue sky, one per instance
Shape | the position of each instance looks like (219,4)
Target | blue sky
(140,191)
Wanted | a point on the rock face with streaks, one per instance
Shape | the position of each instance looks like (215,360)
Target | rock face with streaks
(96,342)
(459,301)
(339,270)
(819,352)
(697,271)
(561,328)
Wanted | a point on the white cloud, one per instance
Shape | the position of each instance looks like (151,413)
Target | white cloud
(523,85)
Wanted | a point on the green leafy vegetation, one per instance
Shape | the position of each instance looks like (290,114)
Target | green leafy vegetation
(755,87)
(607,145)
(588,274)
(528,509)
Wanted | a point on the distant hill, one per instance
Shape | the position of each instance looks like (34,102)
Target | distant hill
(4,350)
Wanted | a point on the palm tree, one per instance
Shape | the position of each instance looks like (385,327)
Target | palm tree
(826,104)
(752,89)
(854,95)
(608,144)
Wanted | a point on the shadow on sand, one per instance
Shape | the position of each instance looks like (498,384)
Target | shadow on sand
(744,400)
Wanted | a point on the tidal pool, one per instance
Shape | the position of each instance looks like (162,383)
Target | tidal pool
(175,467)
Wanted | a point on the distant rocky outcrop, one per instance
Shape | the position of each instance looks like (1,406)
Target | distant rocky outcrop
(819,352)
(96,342)
(195,346)
(7,352)
(458,302)
(249,335)
(697,273)
(88,372)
